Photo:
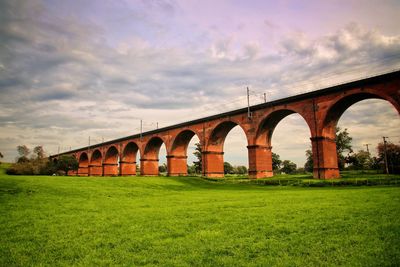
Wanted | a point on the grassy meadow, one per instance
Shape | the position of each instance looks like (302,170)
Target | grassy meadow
(190,221)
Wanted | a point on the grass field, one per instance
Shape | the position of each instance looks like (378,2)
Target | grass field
(171,221)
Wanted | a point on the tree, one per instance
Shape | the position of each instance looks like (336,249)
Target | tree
(35,165)
(198,155)
(39,151)
(288,167)
(67,163)
(162,168)
(241,170)
(393,156)
(1,156)
(228,168)
(276,161)
(343,144)
(360,160)
(191,169)
(309,165)
(23,152)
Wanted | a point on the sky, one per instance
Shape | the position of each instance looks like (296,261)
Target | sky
(74,69)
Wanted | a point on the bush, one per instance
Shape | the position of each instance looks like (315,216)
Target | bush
(11,170)
(32,167)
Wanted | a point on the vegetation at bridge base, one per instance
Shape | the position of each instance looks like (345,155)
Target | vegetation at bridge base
(36,163)
(66,163)
(348,178)
(181,221)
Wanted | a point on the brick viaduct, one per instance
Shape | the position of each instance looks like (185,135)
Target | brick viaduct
(320,109)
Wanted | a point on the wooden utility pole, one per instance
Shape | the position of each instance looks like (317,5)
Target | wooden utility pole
(385,151)
(367,147)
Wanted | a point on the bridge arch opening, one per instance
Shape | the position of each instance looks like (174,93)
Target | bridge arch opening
(149,162)
(95,166)
(286,133)
(227,143)
(336,110)
(268,125)
(83,164)
(291,142)
(367,121)
(128,163)
(182,148)
(111,162)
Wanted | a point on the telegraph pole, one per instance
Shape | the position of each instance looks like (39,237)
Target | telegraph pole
(248,104)
(385,151)
(141,129)
(265,97)
(367,147)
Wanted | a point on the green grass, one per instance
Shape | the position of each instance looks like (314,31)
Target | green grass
(348,178)
(171,221)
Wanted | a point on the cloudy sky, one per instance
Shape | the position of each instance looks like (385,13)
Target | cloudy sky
(74,69)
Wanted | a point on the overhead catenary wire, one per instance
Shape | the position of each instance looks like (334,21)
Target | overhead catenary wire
(304,83)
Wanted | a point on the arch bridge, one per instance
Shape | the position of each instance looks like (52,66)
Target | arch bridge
(320,110)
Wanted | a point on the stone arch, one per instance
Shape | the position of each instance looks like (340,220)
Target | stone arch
(177,157)
(324,145)
(111,162)
(83,160)
(181,142)
(336,110)
(83,167)
(218,135)
(213,156)
(128,159)
(149,159)
(260,152)
(95,166)
(268,124)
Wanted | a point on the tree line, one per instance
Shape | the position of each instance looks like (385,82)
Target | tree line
(36,162)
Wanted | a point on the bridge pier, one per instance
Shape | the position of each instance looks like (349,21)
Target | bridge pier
(149,167)
(72,173)
(95,170)
(177,165)
(213,164)
(260,161)
(324,158)
(127,168)
(83,171)
(110,169)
